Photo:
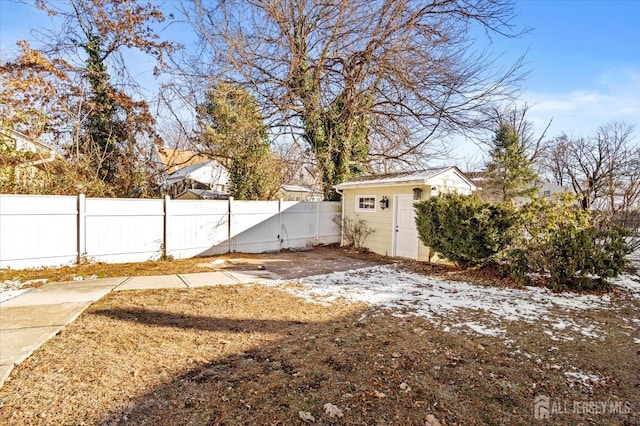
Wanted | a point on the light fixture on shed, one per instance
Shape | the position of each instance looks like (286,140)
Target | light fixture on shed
(417,194)
(384,202)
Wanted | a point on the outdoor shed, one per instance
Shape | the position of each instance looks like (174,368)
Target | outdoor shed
(386,202)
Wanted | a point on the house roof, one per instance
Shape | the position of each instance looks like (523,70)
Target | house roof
(208,194)
(15,136)
(296,188)
(417,177)
(483,178)
(209,173)
(174,160)
(554,188)
(20,141)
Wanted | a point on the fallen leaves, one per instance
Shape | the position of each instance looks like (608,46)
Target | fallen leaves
(306,416)
(252,354)
(332,410)
(405,387)
(379,395)
(431,420)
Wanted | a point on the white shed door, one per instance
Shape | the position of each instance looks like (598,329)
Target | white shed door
(405,239)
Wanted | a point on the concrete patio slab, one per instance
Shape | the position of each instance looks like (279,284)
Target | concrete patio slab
(17,345)
(21,317)
(65,292)
(207,279)
(5,370)
(150,282)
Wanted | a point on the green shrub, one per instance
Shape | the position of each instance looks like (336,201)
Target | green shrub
(464,229)
(561,242)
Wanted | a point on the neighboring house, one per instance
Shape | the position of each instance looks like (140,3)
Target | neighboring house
(189,175)
(490,192)
(549,189)
(201,180)
(386,202)
(300,193)
(302,185)
(170,160)
(38,154)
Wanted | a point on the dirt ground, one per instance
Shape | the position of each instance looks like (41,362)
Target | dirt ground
(257,354)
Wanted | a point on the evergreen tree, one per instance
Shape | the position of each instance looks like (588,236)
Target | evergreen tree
(509,168)
(233,131)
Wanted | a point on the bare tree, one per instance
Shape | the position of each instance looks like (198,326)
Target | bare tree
(79,85)
(603,169)
(350,76)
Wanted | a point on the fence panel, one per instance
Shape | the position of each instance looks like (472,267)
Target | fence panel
(37,231)
(298,224)
(254,226)
(195,227)
(328,222)
(123,230)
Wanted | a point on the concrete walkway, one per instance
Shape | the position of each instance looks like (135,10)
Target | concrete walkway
(33,317)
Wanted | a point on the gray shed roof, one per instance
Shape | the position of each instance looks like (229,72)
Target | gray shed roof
(416,177)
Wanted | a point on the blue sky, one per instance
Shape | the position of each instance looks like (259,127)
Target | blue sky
(584,62)
(583,59)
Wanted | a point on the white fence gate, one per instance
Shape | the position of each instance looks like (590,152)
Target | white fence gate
(38,231)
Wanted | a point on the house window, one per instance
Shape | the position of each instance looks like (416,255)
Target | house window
(366,203)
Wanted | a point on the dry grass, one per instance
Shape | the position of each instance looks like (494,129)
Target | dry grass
(285,263)
(109,270)
(257,355)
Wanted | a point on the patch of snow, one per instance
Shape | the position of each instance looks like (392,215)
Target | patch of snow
(12,288)
(582,378)
(636,340)
(485,331)
(559,325)
(389,287)
(81,278)
(6,294)
(629,283)
(588,331)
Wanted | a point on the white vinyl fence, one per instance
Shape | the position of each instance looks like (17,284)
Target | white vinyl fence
(37,231)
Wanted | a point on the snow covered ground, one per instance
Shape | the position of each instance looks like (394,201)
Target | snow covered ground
(631,283)
(390,287)
(10,293)
(10,289)
(451,304)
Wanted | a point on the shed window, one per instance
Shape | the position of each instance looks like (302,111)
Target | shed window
(366,203)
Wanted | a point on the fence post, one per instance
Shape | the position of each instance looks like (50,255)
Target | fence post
(229,223)
(280,240)
(165,249)
(318,221)
(81,228)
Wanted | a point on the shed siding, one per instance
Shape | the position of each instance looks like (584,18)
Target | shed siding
(381,240)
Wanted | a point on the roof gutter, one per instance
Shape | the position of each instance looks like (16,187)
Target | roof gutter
(378,183)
